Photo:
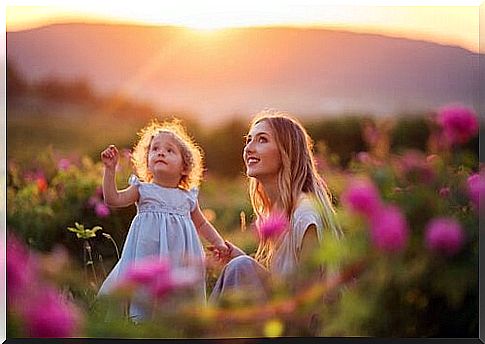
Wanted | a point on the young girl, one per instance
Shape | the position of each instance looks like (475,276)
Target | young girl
(169,168)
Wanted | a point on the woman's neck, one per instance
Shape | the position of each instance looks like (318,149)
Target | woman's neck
(273,193)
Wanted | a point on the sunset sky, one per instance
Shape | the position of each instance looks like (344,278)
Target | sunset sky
(445,22)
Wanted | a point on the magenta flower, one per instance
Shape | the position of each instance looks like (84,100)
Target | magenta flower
(101,210)
(364,158)
(99,192)
(151,274)
(145,271)
(63,164)
(444,192)
(272,226)
(416,167)
(48,315)
(362,197)
(389,230)
(20,272)
(93,200)
(459,123)
(444,235)
(476,189)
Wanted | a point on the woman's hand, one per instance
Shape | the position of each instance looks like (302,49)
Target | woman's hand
(110,157)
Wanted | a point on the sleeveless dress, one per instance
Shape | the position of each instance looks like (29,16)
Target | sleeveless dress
(244,273)
(162,227)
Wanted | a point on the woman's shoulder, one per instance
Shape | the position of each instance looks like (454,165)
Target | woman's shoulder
(305,206)
(306,213)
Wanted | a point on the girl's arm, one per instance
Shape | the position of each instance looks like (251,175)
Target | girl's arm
(112,196)
(206,229)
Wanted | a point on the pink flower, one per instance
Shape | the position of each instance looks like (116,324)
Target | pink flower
(362,197)
(156,276)
(93,200)
(444,235)
(49,315)
(459,123)
(364,158)
(272,226)
(444,192)
(63,164)
(389,230)
(145,271)
(101,210)
(152,274)
(476,189)
(20,272)
(416,167)
(99,192)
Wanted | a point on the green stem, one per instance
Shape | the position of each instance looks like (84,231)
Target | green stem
(109,237)
(91,262)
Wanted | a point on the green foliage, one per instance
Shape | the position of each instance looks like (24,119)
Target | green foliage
(411,293)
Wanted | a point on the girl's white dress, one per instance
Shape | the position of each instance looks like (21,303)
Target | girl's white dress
(162,227)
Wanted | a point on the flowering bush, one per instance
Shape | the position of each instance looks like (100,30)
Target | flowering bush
(407,266)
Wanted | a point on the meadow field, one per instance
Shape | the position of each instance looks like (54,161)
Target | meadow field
(413,274)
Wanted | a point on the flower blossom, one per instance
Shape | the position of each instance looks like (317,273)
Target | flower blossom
(389,230)
(157,277)
(459,123)
(476,189)
(49,315)
(63,164)
(444,235)
(272,226)
(101,210)
(362,197)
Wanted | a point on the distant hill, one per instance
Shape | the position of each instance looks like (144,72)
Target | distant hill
(308,72)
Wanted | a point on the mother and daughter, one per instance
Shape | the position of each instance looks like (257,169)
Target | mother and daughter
(282,179)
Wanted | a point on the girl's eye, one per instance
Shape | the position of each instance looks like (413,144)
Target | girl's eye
(262,139)
(248,139)
(154,148)
(170,150)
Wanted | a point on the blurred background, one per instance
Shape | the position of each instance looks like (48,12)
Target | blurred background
(82,76)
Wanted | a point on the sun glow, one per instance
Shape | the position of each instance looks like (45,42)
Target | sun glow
(455,25)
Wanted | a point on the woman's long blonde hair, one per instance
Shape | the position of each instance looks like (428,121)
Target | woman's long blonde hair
(297,174)
(192,156)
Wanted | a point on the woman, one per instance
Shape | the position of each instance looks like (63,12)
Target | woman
(282,178)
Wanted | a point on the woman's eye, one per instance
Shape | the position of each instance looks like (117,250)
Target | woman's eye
(262,140)
(248,139)
(170,150)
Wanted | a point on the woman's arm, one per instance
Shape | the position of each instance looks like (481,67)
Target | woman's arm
(309,245)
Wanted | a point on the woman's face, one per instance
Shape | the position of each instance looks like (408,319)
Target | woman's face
(261,154)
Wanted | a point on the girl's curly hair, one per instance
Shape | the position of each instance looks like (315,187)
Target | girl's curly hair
(192,156)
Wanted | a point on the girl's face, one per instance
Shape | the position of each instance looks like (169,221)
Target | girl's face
(261,154)
(165,158)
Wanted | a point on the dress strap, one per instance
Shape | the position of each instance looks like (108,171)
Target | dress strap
(193,195)
(134,180)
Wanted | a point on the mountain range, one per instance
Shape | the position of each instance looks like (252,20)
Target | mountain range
(216,75)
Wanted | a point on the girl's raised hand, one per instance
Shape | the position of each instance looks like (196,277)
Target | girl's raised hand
(110,157)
